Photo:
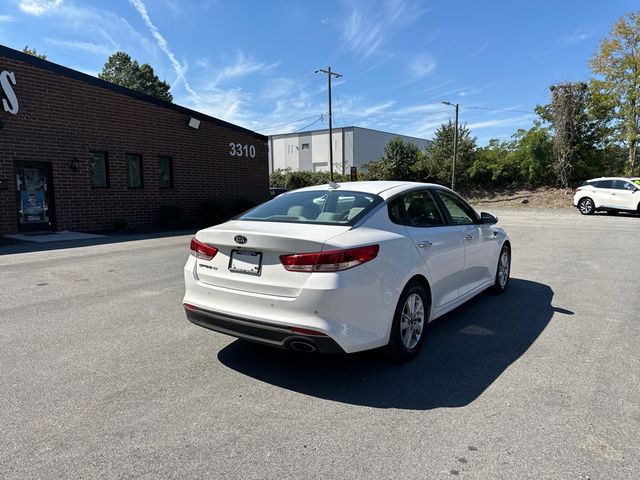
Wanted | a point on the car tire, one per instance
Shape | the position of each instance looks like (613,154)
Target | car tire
(586,206)
(409,323)
(503,270)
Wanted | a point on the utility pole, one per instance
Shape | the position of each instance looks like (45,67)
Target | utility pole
(455,146)
(329,75)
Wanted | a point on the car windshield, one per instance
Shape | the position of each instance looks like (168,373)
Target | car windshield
(331,207)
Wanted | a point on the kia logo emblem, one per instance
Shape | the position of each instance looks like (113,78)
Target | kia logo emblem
(241,239)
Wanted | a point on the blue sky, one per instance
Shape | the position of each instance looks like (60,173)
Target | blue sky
(253,62)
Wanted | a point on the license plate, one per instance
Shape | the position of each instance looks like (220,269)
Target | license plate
(245,261)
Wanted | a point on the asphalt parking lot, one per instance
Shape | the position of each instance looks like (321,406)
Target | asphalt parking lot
(103,376)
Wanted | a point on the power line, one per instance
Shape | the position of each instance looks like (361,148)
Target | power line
(312,123)
(289,123)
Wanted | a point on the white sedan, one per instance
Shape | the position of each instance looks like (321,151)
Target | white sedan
(344,267)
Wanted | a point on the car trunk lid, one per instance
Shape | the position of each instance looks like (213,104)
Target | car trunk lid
(248,257)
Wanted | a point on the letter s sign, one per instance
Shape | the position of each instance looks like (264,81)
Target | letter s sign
(6,79)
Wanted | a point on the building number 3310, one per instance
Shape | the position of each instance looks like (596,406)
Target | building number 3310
(240,150)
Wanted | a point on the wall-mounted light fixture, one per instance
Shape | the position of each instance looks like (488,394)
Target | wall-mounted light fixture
(74,165)
(194,123)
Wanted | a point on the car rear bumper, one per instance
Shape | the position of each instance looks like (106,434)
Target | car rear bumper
(354,309)
(261,332)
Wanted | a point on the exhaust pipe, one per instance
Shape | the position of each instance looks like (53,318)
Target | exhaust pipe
(302,346)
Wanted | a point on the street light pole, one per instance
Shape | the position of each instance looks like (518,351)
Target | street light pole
(455,146)
(329,75)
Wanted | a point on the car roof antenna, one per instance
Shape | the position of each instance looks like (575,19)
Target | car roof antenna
(334,185)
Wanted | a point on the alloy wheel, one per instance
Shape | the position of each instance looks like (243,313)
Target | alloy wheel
(412,321)
(586,206)
(503,269)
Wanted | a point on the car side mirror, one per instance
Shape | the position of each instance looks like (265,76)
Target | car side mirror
(488,219)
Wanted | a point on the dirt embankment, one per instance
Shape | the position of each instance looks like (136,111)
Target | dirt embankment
(538,198)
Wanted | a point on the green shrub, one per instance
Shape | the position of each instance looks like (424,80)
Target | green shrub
(292,180)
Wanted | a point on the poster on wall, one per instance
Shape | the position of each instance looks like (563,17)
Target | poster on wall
(33,179)
(32,206)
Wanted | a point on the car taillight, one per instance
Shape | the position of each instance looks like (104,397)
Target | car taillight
(202,250)
(331,261)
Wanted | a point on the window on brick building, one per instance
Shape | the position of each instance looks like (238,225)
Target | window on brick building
(165,172)
(99,169)
(134,171)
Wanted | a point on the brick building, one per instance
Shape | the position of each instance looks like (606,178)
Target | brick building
(79,153)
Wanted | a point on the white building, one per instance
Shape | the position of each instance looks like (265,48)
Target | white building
(352,147)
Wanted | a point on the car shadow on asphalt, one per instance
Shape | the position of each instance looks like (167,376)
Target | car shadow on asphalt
(464,353)
(620,214)
(8,247)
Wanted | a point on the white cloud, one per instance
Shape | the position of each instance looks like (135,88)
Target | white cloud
(519,120)
(278,87)
(426,108)
(6,18)
(421,65)
(375,109)
(472,91)
(178,67)
(481,48)
(38,7)
(368,27)
(577,36)
(90,47)
(242,66)
(91,25)
(220,104)
(362,36)
(202,62)
(567,41)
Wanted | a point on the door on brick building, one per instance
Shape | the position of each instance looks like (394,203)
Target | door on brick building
(34,197)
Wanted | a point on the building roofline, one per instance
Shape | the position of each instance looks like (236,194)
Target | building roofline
(97,82)
(352,127)
(391,133)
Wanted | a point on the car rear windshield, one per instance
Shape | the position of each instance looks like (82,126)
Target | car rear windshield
(332,207)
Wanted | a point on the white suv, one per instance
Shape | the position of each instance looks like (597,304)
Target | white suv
(611,194)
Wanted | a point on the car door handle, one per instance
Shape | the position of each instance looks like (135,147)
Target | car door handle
(468,237)
(424,244)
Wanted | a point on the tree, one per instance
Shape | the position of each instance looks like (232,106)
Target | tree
(435,166)
(533,155)
(595,150)
(122,70)
(524,161)
(396,162)
(33,52)
(567,115)
(617,63)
